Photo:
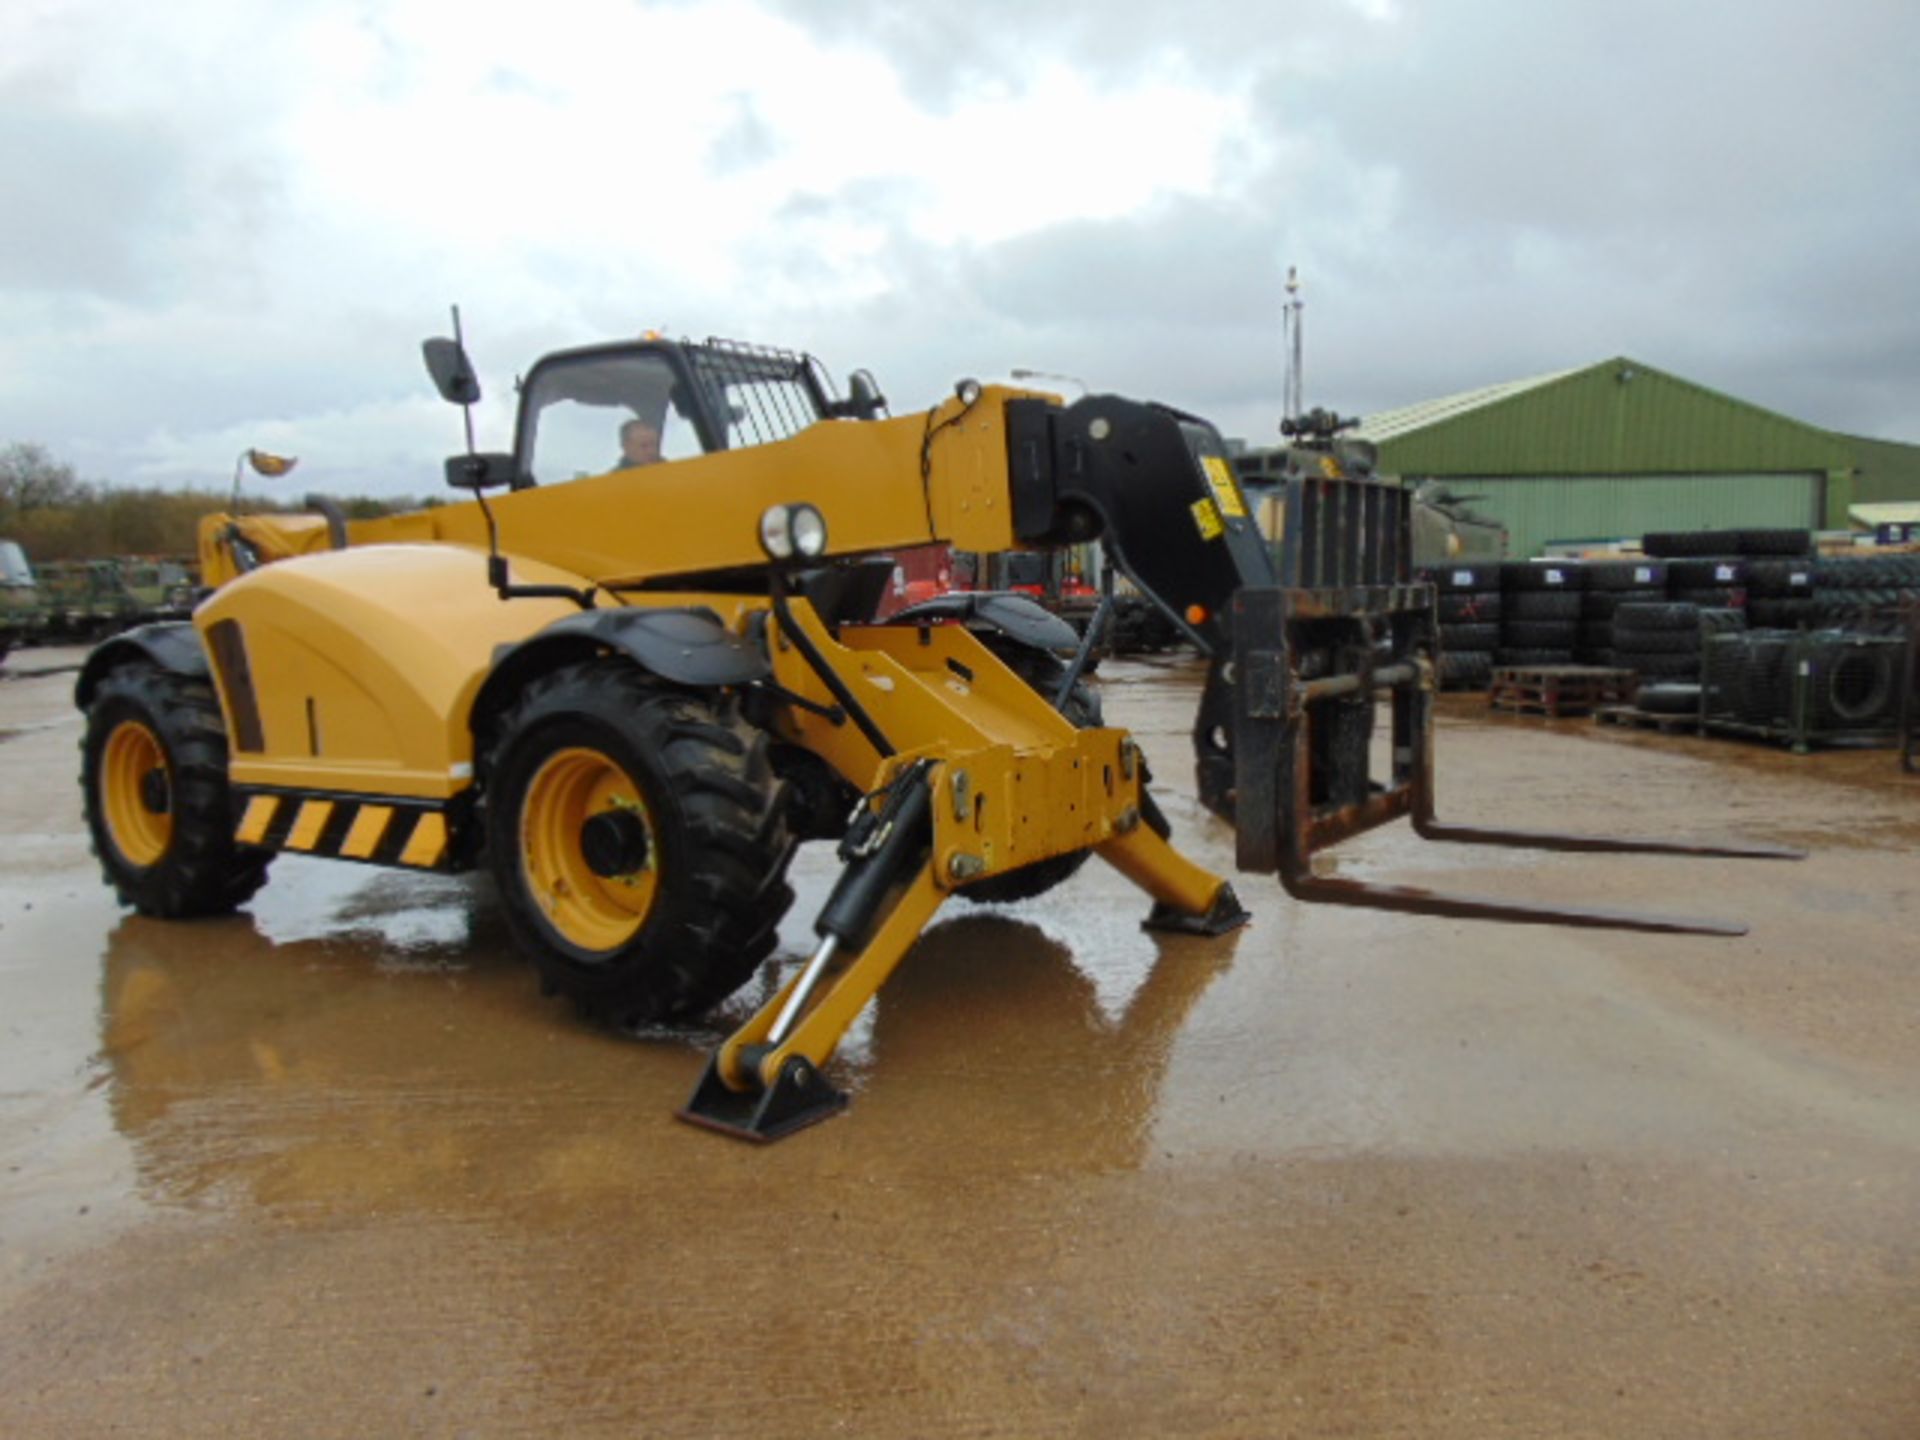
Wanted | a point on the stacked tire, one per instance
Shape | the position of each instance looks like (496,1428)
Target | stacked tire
(1780,594)
(1658,639)
(1609,585)
(1540,608)
(1749,678)
(1862,593)
(1469,603)
(1708,544)
(1716,582)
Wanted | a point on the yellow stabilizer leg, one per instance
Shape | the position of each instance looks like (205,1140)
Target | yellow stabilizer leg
(758,1088)
(1187,898)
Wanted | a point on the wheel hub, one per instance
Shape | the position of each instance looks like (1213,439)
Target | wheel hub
(155,793)
(614,843)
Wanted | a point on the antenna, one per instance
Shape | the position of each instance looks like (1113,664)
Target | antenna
(1292,324)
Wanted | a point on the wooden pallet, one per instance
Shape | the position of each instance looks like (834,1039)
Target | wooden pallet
(1627,715)
(1559,691)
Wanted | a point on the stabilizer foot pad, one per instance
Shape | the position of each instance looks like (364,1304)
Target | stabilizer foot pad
(801,1097)
(1225,915)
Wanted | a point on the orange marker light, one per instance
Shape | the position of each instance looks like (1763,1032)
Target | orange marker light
(1196,614)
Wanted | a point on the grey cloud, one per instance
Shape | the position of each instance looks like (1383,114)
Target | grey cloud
(87,197)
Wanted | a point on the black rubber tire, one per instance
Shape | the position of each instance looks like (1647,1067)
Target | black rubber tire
(1779,579)
(1544,605)
(1523,658)
(1781,614)
(1720,572)
(1448,579)
(1540,634)
(719,837)
(201,871)
(1469,607)
(1646,615)
(1670,697)
(1775,542)
(1657,642)
(1517,575)
(1662,667)
(1044,673)
(1690,544)
(1466,669)
(1463,638)
(1858,688)
(1626,575)
(1708,599)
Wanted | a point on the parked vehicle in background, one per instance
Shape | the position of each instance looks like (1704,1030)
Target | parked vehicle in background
(22,612)
(1446,531)
(91,599)
(162,587)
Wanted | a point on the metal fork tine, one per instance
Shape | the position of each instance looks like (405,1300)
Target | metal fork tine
(1414,900)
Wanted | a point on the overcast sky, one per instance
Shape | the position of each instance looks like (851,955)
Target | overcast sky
(229,223)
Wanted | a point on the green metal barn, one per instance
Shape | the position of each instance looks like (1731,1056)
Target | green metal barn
(1613,450)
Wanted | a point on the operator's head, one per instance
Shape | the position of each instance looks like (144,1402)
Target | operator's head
(639,443)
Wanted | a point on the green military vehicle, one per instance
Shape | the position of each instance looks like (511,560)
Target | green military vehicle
(23,614)
(87,600)
(1447,531)
(162,587)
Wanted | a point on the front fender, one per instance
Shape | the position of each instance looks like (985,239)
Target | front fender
(172,645)
(682,646)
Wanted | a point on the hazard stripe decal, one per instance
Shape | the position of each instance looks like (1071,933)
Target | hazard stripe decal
(259,815)
(382,832)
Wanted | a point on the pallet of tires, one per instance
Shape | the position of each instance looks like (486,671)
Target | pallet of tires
(1609,585)
(1468,601)
(1539,613)
(1707,544)
(1862,593)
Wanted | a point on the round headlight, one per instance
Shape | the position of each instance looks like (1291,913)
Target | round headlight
(776,532)
(809,530)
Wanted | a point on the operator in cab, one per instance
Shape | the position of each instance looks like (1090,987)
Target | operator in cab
(639,444)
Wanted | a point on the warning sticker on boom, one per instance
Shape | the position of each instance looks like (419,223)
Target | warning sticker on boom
(1226,490)
(1212,527)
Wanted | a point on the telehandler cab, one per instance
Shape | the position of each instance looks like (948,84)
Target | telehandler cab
(630,690)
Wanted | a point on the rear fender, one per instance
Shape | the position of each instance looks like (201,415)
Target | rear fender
(1021,620)
(172,645)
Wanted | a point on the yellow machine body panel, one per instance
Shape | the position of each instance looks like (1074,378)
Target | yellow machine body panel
(354,670)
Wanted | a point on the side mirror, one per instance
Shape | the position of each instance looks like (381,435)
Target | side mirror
(479,472)
(452,373)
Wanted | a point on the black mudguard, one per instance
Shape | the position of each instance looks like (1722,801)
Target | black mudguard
(1022,620)
(173,645)
(683,646)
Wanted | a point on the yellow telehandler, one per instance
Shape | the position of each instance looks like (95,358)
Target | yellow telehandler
(638,667)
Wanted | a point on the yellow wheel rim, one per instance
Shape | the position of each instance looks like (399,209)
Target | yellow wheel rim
(136,793)
(591,910)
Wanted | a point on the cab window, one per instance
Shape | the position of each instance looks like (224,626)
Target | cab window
(599,413)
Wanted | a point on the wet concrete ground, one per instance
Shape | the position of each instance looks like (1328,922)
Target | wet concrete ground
(333,1167)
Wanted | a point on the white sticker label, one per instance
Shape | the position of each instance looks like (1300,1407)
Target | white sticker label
(1554,577)
(1642,574)
(1463,577)
(1798,577)
(1723,572)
